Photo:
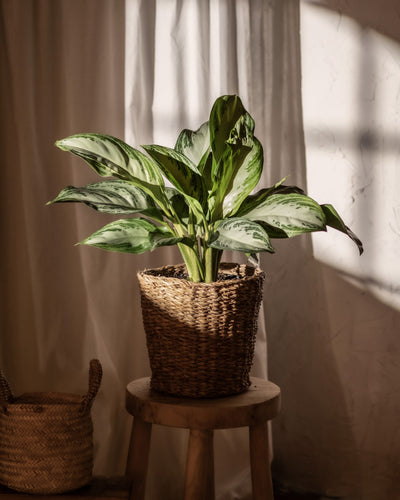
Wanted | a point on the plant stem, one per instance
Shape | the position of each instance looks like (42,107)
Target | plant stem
(193,264)
(212,259)
(190,255)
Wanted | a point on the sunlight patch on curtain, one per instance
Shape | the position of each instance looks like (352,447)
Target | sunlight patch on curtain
(180,56)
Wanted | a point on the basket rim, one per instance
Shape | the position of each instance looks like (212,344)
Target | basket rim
(42,398)
(160,273)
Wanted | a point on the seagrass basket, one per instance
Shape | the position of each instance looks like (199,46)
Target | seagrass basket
(201,336)
(46,443)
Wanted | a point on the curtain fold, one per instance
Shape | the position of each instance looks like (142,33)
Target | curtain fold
(61,73)
(146,70)
(180,56)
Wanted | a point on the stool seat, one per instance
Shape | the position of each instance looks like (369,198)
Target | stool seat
(253,409)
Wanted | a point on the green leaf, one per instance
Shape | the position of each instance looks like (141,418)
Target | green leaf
(182,173)
(131,236)
(241,235)
(179,204)
(195,145)
(245,176)
(273,232)
(111,157)
(334,220)
(254,200)
(291,214)
(101,152)
(111,197)
(178,169)
(205,168)
(237,160)
(224,115)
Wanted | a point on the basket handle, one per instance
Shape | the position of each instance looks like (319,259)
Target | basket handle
(6,395)
(95,375)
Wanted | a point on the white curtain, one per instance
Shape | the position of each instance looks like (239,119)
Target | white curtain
(65,67)
(62,72)
(179,57)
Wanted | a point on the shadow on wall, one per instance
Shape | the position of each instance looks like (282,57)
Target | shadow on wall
(380,15)
(332,341)
(334,352)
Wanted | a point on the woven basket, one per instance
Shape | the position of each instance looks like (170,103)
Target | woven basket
(201,336)
(46,443)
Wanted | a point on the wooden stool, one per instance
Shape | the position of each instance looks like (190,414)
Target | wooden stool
(252,409)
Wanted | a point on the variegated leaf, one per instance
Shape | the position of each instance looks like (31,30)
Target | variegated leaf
(224,115)
(178,169)
(291,214)
(111,157)
(195,145)
(182,173)
(334,220)
(253,200)
(131,236)
(245,178)
(238,170)
(205,168)
(111,197)
(178,202)
(240,235)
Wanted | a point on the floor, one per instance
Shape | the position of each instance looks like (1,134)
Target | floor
(282,494)
(296,496)
(118,488)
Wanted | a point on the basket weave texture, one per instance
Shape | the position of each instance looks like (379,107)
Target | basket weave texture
(46,443)
(201,336)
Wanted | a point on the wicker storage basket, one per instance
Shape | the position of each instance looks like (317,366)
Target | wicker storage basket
(201,336)
(46,443)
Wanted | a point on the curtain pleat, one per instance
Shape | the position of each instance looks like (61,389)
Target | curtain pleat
(61,73)
(180,56)
(143,70)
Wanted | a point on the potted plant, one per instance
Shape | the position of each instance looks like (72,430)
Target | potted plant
(208,208)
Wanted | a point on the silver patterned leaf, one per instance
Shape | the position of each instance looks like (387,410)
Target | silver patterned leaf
(111,197)
(194,144)
(111,157)
(237,156)
(182,173)
(131,236)
(291,214)
(240,235)
(334,220)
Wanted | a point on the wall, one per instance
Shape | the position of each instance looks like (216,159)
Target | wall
(335,352)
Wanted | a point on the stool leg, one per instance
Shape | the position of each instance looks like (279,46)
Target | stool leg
(138,457)
(260,465)
(199,481)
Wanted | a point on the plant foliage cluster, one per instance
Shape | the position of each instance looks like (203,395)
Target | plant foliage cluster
(208,208)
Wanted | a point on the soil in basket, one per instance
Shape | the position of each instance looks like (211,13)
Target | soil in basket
(221,276)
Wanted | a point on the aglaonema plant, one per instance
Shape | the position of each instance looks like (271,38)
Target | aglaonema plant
(209,206)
